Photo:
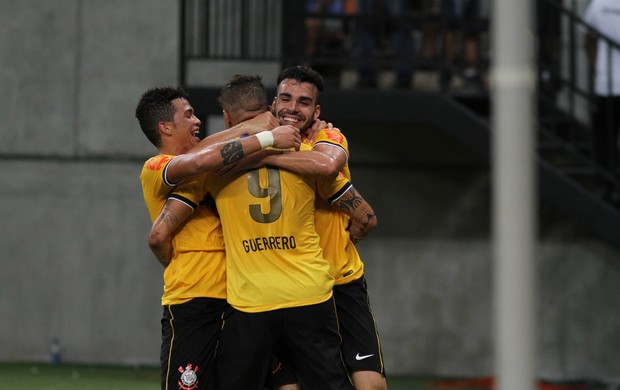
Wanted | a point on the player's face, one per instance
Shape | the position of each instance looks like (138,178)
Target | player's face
(296,104)
(186,125)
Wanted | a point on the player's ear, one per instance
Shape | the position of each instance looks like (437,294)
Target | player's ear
(228,123)
(317,112)
(272,107)
(165,128)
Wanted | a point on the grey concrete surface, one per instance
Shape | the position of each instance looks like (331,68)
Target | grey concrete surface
(75,264)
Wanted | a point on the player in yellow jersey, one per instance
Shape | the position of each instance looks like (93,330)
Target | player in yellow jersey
(191,251)
(278,282)
(338,231)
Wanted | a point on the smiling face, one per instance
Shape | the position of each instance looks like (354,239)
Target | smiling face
(185,126)
(296,104)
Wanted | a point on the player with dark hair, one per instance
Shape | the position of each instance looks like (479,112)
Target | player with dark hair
(338,229)
(186,235)
(279,285)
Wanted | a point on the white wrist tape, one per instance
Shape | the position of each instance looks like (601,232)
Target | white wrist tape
(265,138)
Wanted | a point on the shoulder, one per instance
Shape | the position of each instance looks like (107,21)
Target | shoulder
(330,135)
(157,163)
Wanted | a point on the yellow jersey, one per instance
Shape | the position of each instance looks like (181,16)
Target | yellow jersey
(198,264)
(273,256)
(331,224)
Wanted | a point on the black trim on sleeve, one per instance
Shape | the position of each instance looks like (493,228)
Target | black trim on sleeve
(184,200)
(324,142)
(340,192)
(164,174)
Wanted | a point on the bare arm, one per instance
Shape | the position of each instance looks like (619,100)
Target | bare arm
(261,122)
(220,154)
(363,218)
(323,160)
(171,217)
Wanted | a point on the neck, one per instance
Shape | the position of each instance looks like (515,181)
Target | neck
(172,150)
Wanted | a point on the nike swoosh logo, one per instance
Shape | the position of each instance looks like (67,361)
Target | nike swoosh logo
(358,357)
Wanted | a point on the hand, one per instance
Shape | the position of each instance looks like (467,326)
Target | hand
(317,126)
(286,137)
(261,122)
(356,233)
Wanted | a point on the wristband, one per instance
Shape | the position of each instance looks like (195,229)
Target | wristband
(265,138)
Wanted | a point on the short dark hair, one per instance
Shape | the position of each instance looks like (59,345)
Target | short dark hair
(156,106)
(303,74)
(243,92)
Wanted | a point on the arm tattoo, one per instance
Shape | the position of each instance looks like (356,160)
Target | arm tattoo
(350,201)
(368,218)
(170,219)
(231,152)
(360,212)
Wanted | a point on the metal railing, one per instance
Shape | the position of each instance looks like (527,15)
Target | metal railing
(284,31)
(566,94)
(280,31)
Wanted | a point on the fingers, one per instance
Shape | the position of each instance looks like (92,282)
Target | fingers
(264,121)
(317,126)
(286,137)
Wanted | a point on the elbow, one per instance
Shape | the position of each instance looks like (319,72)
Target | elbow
(372,223)
(331,169)
(156,240)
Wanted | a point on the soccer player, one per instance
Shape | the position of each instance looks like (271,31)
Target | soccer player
(278,282)
(338,229)
(191,248)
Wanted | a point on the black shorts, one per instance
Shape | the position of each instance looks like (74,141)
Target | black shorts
(190,332)
(310,333)
(361,347)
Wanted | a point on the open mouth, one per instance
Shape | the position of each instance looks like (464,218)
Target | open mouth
(289,120)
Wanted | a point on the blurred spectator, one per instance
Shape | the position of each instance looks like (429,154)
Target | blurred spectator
(431,11)
(327,37)
(604,16)
(463,21)
(378,18)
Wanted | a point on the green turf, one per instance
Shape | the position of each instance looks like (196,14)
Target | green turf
(65,376)
(28,376)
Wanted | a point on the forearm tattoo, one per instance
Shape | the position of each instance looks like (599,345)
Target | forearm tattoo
(232,151)
(353,204)
(350,201)
(170,219)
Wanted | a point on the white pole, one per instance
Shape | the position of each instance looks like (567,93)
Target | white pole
(514,204)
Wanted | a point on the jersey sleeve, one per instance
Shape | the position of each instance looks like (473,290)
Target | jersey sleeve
(190,191)
(332,189)
(156,185)
(152,175)
(331,137)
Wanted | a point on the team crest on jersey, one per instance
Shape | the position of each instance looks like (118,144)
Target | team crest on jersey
(189,379)
(334,135)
